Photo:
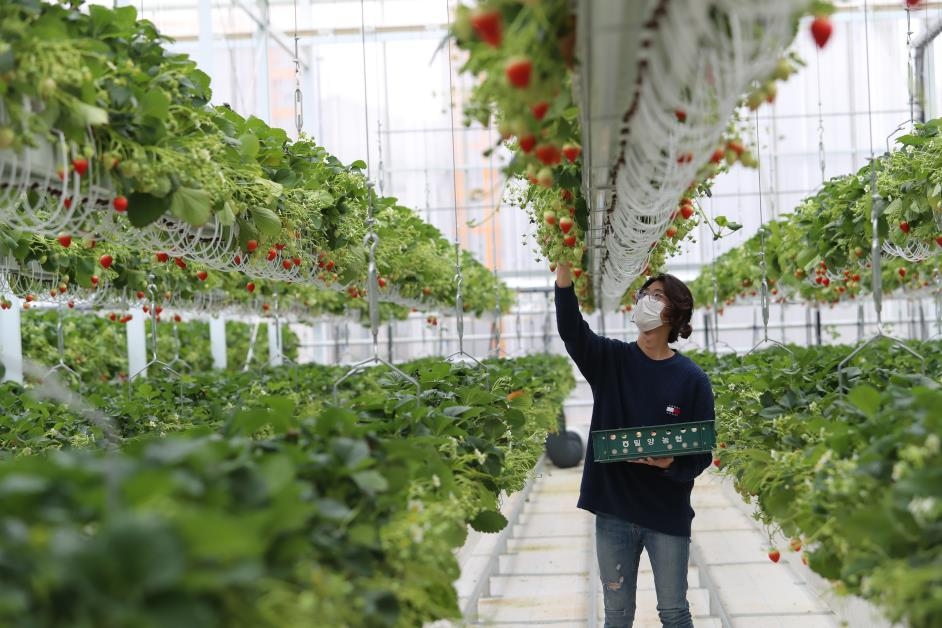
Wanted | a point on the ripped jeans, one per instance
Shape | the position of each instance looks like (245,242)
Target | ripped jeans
(618,545)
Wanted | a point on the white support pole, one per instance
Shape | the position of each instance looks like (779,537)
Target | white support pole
(137,343)
(262,48)
(274,343)
(217,341)
(11,341)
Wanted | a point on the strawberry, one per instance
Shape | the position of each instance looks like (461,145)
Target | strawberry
(821,30)
(381,282)
(265,307)
(774,555)
(140,294)
(62,288)
(577,272)
(570,240)
(106,261)
(565,224)
(686,210)
(286,264)
(113,316)
(518,71)
(250,286)
(717,463)
(80,165)
(237,260)
(202,275)
(572,152)
(158,309)
(549,218)
(902,272)
(94,280)
(329,265)
(526,142)
(65,240)
(280,247)
(548,154)
(911,4)
(539,109)
(426,291)
(251,245)
(120,204)
(718,156)
(179,262)
(488,26)
(162,256)
(681,115)
(904,227)
(825,281)
(177,318)
(566,195)
(146,309)
(67,202)
(296,261)
(545,177)
(70,304)
(272,254)
(938,240)
(671,231)
(736,146)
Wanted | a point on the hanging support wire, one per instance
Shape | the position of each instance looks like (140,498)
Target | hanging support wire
(298,95)
(372,240)
(876,247)
(764,284)
(154,360)
(459,303)
(60,342)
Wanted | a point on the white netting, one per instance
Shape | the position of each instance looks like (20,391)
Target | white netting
(912,251)
(704,56)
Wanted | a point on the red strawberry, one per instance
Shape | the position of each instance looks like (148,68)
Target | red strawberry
(179,262)
(565,224)
(774,555)
(286,264)
(821,30)
(146,309)
(686,210)
(272,254)
(65,240)
(545,177)
(329,265)
(938,240)
(67,202)
(250,286)
(566,195)
(71,304)
(539,109)
(161,256)
(113,316)
(576,272)
(237,260)
(572,152)
(736,146)
(681,115)
(904,227)
(795,544)
(105,261)
(527,142)
(911,4)
(718,156)
(80,165)
(120,204)
(251,245)
(549,218)
(488,25)
(280,247)
(296,261)
(671,231)
(717,462)
(381,281)
(202,275)
(548,154)
(94,280)
(140,294)
(177,318)
(570,240)
(902,272)
(518,71)
(266,307)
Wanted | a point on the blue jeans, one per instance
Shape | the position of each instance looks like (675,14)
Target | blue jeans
(618,545)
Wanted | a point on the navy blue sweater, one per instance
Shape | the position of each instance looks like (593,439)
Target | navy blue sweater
(632,390)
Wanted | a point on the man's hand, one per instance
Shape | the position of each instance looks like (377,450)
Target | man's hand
(661,463)
(563,275)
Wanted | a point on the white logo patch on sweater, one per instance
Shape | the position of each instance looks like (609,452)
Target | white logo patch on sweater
(673,410)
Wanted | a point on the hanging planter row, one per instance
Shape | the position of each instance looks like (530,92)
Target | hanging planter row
(822,252)
(523,58)
(106,136)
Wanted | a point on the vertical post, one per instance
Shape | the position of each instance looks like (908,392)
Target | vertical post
(205,42)
(262,99)
(137,343)
(217,342)
(11,340)
(274,343)
(706,331)
(389,342)
(817,325)
(923,326)
(860,322)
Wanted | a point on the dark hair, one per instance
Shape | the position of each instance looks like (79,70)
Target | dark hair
(679,306)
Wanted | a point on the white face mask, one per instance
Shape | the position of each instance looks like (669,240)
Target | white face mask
(647,313)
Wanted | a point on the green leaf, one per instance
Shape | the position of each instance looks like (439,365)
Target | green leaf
(266,221)
(359,164)
(155,104)
(455,411)
(489,521)
(191,205)
(866,399)
(144,209)
(370,481)
(249,145)
(83,114)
